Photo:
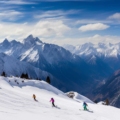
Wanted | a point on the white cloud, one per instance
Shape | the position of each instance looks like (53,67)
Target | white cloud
(10,15)
(18,2)
(50,28)
(55,13)
(93,39)
(66,0)
(115,16)
(43,29)
(92,21)
(34,1)
(91,27)
(53,31)
(105,39)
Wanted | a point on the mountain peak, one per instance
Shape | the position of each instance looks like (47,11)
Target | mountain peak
(30,36)
(89,44)
(30,40)
(6,42)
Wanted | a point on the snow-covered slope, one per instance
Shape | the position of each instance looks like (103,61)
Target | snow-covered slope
(16,102)
(78,97)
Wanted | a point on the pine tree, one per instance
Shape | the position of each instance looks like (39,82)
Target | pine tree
(26,76)
(3,74)
(95,101)
(22,76)
(48,80)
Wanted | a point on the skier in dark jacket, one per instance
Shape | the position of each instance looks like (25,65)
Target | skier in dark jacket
(85,106)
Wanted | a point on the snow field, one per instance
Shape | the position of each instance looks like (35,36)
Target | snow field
(16,103)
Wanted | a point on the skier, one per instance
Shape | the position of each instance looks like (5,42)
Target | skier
(52,100)
(85,106)
(34,97)
(106,102)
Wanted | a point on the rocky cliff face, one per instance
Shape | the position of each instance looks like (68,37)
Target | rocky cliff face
(110,90)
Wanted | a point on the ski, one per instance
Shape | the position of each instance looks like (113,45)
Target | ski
(56,107)
(86,110)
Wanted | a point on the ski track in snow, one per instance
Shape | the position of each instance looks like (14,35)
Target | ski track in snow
(16,103)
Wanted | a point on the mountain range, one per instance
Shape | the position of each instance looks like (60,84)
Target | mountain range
(91,53)
(65,67)
(81,68)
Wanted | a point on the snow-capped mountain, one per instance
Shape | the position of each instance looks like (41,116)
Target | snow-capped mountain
(16,102)
(72,72)
(13,67)
(51,58)
(101,49)
(108,53)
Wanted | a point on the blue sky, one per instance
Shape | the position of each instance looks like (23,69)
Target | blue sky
(61,22)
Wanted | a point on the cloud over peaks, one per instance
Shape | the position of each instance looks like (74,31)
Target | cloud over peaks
(91,27)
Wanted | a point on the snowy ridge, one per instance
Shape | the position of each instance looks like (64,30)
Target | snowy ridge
(81,98)
(16,102)
(107,50)
(78,97)
(34,50)
(31,83)
(101,103)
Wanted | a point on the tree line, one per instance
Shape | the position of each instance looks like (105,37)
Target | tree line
(25,76)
